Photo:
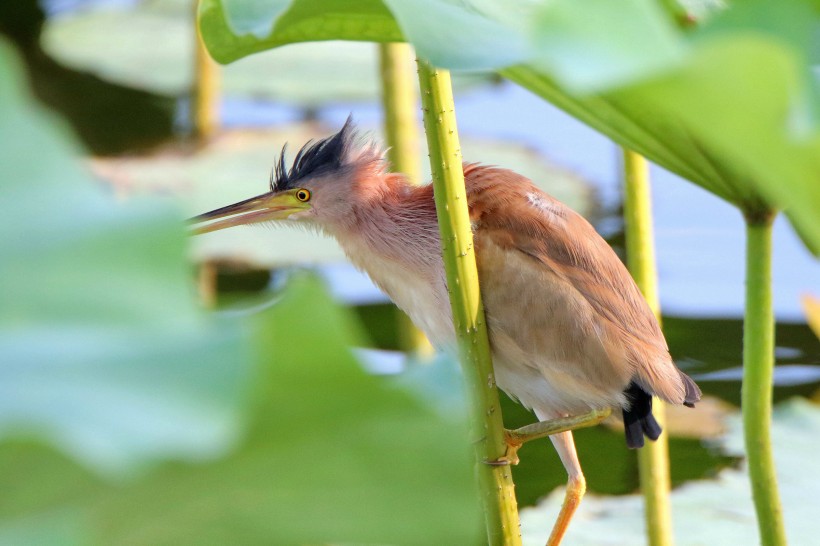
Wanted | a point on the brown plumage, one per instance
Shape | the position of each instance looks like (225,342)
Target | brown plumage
(608,322)
(568,327)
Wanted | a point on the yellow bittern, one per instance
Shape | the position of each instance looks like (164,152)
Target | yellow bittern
(570,333)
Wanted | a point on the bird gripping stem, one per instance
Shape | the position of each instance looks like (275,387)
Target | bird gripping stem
(497,489)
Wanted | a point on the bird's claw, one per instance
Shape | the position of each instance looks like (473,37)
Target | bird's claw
(510,456)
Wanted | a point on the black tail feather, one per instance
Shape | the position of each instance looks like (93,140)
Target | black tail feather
(638,419)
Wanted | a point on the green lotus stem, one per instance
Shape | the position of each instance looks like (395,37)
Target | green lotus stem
(399,103)
(399,100)
(653,458)
(495,482)
(205,94)
(811,306)
(758,369)
(207,284)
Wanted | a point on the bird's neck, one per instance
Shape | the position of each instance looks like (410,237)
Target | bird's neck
(396,242)
(397,224)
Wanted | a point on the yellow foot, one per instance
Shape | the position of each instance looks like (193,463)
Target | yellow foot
(511,453)
(516,438)
(542,429)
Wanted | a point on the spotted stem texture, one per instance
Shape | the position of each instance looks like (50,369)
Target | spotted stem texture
(205,94)
(495,481)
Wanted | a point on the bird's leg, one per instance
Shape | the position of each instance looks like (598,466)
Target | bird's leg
(516,438)
(576,485)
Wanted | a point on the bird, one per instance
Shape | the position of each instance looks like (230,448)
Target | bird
(569,331)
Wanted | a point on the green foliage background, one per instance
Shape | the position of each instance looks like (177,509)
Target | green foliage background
(128,416)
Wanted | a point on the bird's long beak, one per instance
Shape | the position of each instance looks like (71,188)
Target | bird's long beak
(262,208)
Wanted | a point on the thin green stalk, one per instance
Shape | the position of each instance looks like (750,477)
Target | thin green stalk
(811,306)
(399,102)
(758,369)
(495,482)
(205,94)
(207,284)
(653,458)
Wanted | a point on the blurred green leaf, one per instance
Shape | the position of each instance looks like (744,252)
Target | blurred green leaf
(332,455)
(106,357)
(743,101)
(737,118)
(600,43)
(104,351)
(464,35)
(255,17)
(480,42)
(59,529)
(303,20)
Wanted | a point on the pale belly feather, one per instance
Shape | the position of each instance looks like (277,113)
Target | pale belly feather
(422,297)
(540,358)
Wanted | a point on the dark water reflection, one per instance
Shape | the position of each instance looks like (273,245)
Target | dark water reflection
(699,346)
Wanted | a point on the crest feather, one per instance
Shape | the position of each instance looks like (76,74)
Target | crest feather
(315,158)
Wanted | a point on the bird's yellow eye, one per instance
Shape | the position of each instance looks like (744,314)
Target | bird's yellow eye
(303,195)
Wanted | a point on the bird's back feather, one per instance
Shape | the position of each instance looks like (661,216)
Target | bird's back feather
(568,327)
(510,212)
